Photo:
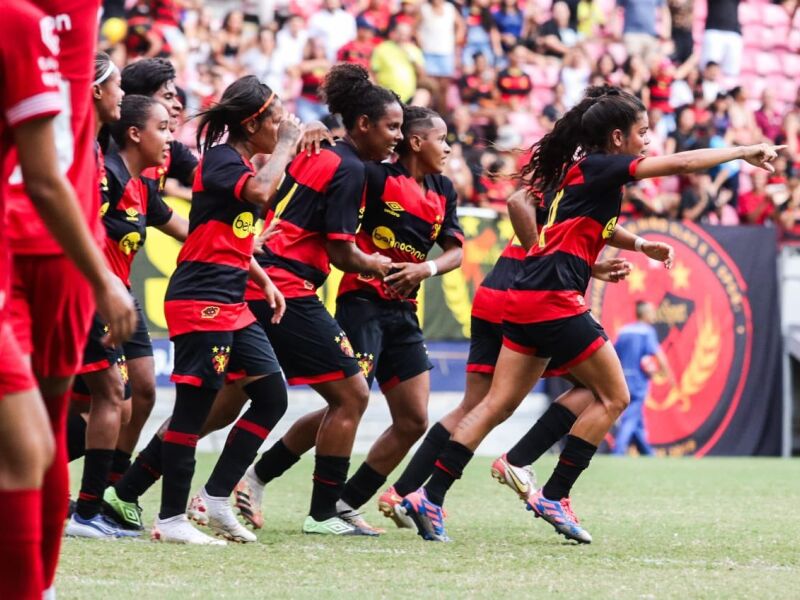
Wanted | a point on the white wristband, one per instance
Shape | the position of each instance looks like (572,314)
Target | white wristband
(637,245)
(432,266)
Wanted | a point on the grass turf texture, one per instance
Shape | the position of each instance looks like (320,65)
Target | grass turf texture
(670,528)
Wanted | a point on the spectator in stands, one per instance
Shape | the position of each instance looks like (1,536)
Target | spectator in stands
(682,90)
(408,14)
(556,37)
(227,43)
(711,82)
(756,206)
(263,61)
(482,35)
(459,173)
(555,109)
(607,69)
(697,198)
(684,136)
(722,40)
(575,72)
(398,62)
(291,41)
(789,212)
(332,25)
(639,32)
(590,20)
(479,88)
(311,71)
(377,15)
(513,83)
(440,26)
(509,20)
(359,51)
(768,118)
(743,127)
(682,19)
(634,74)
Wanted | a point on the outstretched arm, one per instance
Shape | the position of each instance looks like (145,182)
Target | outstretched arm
(625,240)
(759,155)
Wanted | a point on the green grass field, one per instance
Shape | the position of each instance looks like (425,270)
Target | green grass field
(665,528)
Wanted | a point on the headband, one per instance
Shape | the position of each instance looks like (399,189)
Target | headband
(106,75)
(256,114)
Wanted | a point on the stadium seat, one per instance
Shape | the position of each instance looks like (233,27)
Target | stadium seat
(772,15)
(767,63)
(790,61)
(749,13)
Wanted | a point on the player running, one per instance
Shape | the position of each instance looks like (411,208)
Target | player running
(31,481)
(545,315)
(410,207)
(131,203)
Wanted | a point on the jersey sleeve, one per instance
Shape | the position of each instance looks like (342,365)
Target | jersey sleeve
(158,212)
(224,171)
(182,164)
(450,225)
(345,200)
(609,171)
(28,68)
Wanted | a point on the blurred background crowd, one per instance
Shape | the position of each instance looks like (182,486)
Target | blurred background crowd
(712,73)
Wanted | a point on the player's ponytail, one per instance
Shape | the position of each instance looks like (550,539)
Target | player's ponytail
(585,128)
(415,119)
(349,92)
(245,100)
(134,112)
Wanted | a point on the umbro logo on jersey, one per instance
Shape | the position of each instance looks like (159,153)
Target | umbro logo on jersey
(131,214)
(393,208)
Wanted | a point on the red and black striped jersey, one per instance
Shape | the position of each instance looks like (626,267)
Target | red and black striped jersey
(179,165)
(128,206)
(402,221)
(580,218)
(206,291)
(321,198)
(513,82)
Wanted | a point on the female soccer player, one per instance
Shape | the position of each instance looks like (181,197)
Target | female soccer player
(319,211)
(214,332)
(131,203)
(545,315)
(410,206)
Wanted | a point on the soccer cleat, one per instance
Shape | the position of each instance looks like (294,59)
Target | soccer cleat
(388,504)
(178,530)
(334,526)
(520,479)
(427,517)
(71,508)
(98,527)
(217,515)
(127,515)
(355,518)
(248,495)
(559,514)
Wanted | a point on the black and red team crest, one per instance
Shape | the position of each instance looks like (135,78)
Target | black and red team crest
(704,326)
(365,362)
(220,355)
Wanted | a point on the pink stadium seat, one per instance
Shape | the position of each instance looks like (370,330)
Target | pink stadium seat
(772,14)
(749,13)
(767,63)
(791,64)
(618,52)
(748,62)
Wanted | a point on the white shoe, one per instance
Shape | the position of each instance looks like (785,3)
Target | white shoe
(520,479)
(98,527)
(49,593)
(178,530)
(349,515)
(248,496)
(217,515)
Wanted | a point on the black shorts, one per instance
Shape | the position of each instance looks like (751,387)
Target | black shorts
(97,357)
(210,358)
(386,337)
(567,342)
(140,344)
(311,346)
(80,391)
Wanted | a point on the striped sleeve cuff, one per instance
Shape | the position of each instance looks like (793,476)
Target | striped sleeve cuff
(40,105)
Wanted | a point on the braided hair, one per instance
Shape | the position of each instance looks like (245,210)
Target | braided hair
(349,92)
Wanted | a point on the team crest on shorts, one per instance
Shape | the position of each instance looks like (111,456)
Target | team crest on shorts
(365,362)
(122,365)
(344,344)
(220,355)
(703,323)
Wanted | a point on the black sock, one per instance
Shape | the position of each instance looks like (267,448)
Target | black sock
(421,465)
(275,462)
(96,465)
(76,437)
(330,473)
(573,460)
(192,405)
(266,409)
(448,468)
(362,486)
(120,464)
(142,474)
(554,424)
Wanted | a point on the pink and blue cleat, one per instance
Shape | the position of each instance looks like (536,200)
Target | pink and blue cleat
(559,514)
(427,516)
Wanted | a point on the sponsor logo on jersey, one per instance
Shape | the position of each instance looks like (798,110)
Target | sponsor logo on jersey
(608,230)
(130,243)
(384,238)
(393,208)
(103,209)
(131,214)
(209,312)
(244,225)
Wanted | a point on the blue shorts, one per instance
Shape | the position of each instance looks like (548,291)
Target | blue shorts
(440,65)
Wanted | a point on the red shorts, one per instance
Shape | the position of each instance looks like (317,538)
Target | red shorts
(50,313)
(15,372)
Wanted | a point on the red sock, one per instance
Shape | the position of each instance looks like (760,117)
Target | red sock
(55,491)
(20,543)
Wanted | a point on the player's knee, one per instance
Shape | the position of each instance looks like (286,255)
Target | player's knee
(617,402)
(144,396)
(32,455)
(412,427)
(126,409)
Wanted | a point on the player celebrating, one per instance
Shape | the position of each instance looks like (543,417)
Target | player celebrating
(131,203)
(30,99)
(546,317)
(214,333)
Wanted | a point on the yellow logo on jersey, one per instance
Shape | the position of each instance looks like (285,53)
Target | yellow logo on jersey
(131,214)
(243,225)
(608,231)
(103,209)
(393,208)
(130,243)
(383,237)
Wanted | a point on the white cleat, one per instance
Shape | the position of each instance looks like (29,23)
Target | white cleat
(248,496)
(520,479)
(217,515)
(178,530)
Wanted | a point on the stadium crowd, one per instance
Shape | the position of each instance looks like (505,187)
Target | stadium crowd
(505,71)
